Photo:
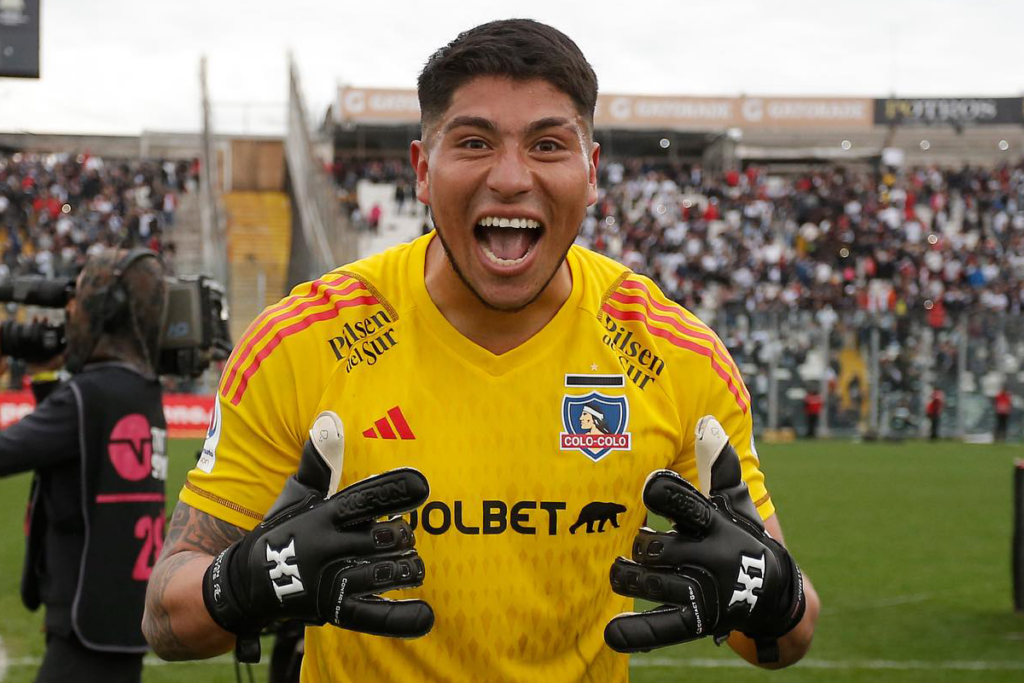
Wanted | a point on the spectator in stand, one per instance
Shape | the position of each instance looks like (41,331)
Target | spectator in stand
(812,410)
(1003,402)
(934,411)
(374,218)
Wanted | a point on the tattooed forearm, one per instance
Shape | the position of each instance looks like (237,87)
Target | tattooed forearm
(210,534)
(191,529)
(176,624)
(156,624)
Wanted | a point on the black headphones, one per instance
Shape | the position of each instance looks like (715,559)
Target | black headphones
(113,299)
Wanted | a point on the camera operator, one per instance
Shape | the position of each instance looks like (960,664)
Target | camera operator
(97,445)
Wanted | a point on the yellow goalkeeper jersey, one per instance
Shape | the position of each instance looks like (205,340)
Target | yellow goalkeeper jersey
(536,458)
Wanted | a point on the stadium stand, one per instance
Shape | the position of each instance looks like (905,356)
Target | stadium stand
(259,237)
(378,196)
(881,282)
(55,207)
(913,253)
(925,255)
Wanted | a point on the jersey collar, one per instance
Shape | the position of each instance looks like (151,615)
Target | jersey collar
(547,339)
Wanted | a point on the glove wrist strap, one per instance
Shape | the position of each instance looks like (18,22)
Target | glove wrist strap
(799,600)
(220,599)
(768,645)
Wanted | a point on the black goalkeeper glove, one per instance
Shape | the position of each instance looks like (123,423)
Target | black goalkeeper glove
(718,570)
(323,560)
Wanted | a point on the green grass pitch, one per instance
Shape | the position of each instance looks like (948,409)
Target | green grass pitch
(908,545)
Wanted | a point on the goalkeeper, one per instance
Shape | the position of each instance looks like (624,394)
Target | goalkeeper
(402,453)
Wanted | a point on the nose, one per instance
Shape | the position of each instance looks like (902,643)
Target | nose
(510,175)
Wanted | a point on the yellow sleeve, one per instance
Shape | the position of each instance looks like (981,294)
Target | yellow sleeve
(246,458)
(261,418)
(729,402)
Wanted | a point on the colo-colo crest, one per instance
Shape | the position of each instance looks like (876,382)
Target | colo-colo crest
(595,424)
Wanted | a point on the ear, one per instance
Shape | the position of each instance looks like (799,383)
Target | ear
(594,157)
(420,162)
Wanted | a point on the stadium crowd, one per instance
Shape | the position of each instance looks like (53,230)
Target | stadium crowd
(753,252)
(919,246)
(347,174)
(923,239)
(903,251)
(937,241)
(54,208)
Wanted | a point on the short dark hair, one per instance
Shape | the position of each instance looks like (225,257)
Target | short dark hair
(520,49)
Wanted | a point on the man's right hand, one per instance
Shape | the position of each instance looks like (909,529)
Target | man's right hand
(323,559)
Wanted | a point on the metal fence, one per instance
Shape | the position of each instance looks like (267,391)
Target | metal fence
(876,372)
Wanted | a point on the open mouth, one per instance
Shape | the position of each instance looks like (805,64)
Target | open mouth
(507,241)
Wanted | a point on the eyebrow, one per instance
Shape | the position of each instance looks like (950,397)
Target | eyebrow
(549,122)
(471,122)
(491,127)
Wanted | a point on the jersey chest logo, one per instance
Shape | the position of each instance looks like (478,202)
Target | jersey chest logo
(595,424)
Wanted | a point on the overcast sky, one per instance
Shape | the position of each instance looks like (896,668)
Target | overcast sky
(124,66)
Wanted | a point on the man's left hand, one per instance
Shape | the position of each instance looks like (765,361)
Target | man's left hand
(717,570)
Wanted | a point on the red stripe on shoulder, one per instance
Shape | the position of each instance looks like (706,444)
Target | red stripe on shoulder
(320,293)
(289,330)
(675,309)
(741,400)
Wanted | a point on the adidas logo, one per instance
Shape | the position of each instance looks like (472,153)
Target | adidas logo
(393,426)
